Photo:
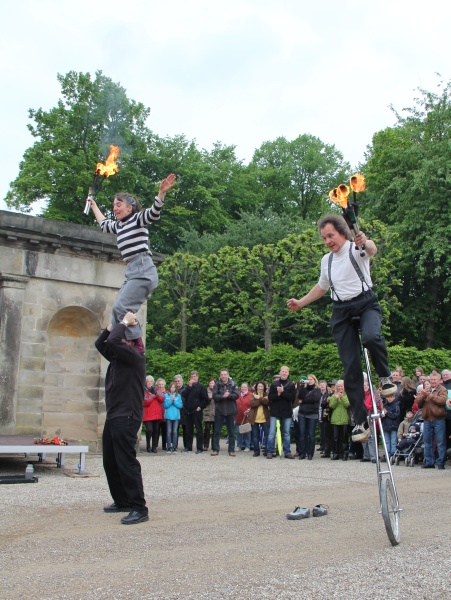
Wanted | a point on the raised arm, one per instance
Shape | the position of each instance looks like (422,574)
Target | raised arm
(97,213)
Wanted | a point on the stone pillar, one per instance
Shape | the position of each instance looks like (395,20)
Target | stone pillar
(12,293)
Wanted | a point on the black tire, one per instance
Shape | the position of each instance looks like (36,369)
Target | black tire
(390,511)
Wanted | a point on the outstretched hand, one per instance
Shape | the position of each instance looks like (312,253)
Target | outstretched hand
(168,183)
(294,304)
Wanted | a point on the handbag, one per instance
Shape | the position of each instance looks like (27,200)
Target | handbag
(244,427)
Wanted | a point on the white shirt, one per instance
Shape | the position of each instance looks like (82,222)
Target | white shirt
(345,280)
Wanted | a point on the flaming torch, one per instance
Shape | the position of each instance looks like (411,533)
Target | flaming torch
(103,170)
(350,211)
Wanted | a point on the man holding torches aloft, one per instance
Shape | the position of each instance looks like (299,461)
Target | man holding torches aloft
(347,273)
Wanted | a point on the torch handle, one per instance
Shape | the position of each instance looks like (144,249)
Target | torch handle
(88,204)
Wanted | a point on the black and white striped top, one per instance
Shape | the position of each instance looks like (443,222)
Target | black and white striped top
(132,233)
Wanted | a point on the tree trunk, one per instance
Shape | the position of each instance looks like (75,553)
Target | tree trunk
(429,336)
(183,327)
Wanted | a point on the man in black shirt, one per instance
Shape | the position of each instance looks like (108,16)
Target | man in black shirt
(124,394)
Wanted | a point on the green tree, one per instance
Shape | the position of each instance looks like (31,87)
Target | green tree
(250,286)
(71,138)
(294,177)
(409,180)
(177,301)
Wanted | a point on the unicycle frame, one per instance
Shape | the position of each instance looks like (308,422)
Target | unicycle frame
(382,473)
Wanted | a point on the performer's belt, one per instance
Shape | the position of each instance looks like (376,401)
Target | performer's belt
(129,258)
(361,296)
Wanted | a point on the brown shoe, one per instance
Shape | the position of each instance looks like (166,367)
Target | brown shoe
(214,453)
(269,456)
(289,456)
(232,454)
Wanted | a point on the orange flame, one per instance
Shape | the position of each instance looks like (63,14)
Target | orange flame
(110,167)
(339,195)
(358,183)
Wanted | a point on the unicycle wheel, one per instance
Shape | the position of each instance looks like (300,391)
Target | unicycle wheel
(390,511)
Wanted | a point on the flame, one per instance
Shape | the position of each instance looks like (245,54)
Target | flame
(339,195)
(358,183)
(110,167)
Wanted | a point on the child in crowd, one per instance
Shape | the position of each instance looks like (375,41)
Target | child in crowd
(243,405)
(390,423)
(172,405)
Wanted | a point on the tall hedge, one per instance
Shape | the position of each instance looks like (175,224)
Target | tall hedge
(322,360)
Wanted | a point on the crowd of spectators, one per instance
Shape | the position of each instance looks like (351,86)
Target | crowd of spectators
(295,419)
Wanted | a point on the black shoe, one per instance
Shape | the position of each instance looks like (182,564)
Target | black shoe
(302,457)
(186,450)
(149,450)
(115,508)
(310,457)
(325,455)
(428,466)
(199,451)
(256,454)
(440,466)
(135,517)
(365,460)
(154,450)
(334,457)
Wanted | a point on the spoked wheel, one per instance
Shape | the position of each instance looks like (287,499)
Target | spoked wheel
(390,511)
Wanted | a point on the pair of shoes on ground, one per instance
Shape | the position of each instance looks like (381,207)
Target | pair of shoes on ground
(304,513)
(132,518)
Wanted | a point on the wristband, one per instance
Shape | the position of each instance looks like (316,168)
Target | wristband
(124,322)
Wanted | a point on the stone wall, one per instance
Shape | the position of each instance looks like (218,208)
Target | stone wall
(58,282)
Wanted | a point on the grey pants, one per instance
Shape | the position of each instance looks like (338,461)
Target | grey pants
(141,278)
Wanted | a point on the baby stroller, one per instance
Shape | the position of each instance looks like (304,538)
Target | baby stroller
(412,453)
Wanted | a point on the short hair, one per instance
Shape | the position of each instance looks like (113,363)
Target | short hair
(160,380)
(129,201)
(338,222)
(340,382)
(194,373)
(177,377)
(150,377)
(224,371)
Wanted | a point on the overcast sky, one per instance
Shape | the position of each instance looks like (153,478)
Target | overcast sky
(237,71)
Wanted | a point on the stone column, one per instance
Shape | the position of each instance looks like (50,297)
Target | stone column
(12,292)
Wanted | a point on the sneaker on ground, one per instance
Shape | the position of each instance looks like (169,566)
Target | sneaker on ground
(388,388)
(320,510)
(361,433)
(298,513)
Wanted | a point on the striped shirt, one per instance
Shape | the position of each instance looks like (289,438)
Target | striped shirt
(132,233)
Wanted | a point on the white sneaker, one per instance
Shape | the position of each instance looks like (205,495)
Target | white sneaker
(298,513)
(246,450)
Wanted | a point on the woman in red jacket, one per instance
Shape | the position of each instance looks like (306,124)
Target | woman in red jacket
(243,404)
(154,414)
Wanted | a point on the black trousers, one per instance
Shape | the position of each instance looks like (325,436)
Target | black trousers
(194,420)
(152,433)
(208,432)
(368,309)
(340,440)
(122,469)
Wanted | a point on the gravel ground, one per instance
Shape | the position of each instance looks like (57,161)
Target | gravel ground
(218,529)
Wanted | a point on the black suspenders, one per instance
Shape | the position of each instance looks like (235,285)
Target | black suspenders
(356,267)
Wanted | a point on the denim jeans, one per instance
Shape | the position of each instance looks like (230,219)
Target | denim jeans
(285,425)
(172,434)
(307,428)
(243,440)
(438,429)
(257,429)
(391,441)
(230,424)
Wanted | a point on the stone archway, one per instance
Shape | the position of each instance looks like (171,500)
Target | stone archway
(72,379)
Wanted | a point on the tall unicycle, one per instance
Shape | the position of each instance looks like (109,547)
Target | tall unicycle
(389,502)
